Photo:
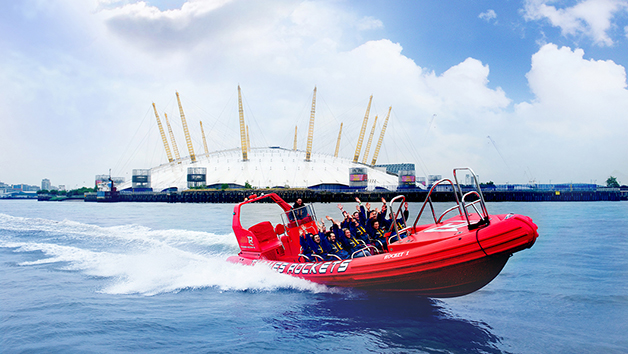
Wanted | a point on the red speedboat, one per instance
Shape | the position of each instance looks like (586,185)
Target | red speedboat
(446,258)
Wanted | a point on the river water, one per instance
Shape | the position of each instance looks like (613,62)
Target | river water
(147,277)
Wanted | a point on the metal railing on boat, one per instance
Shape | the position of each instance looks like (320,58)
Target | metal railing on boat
(461,201)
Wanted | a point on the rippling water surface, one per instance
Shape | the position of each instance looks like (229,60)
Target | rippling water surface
(132,277)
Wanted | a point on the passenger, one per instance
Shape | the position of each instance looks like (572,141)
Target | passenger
(362,212)
(359,231)
(336,247)
(352,244)
(372,218)
(384,222)
(306,248)
(349,242)
(346,223)
(347,218)
(378,237)
(317,248)
(356,216)
(335,226)
(401,221)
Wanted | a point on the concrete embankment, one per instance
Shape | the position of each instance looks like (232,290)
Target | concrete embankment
(311,196)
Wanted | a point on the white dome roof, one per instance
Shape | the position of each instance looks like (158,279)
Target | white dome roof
(266,167)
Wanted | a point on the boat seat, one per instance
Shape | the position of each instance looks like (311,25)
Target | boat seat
(266,236)
(280,229)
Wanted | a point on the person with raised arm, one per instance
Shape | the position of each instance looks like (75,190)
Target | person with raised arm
(336,247)
(384,222)
(347,218)
(306,245)
(350,243)
(359,231)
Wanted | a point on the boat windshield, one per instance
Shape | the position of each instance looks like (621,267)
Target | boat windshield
(298,216)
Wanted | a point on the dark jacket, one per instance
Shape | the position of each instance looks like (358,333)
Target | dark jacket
(359,232)
(306,246)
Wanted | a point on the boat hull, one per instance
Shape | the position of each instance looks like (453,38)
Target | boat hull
(451,281)
(455,280)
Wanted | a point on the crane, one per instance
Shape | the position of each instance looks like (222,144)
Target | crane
(188,140)
(163,135)
(381,138)
(362,131)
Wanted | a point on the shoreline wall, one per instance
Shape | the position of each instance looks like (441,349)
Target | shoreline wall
(312,196)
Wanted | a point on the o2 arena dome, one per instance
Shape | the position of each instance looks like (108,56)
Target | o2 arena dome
(269,167)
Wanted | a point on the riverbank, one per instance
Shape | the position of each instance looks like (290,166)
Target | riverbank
(311,196)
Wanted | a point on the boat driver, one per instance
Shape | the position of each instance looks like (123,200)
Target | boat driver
(298,210)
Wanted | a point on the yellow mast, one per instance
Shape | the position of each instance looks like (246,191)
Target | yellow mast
(242,128)
(362,131)
(310,132)
(248,141)
(204,140)
(188,140)
(381,138)
(163,135)
(368,144)
(174,143)
(295,139)
(338,142)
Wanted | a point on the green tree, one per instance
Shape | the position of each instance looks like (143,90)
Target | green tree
(80,191)
(612,182)
(224,186)
(247,185)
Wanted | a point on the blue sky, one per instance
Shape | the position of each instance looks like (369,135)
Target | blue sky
(441,34)
(545,80)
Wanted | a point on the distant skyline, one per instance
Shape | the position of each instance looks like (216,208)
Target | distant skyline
(518,90)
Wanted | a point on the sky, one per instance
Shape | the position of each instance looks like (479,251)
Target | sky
(529,91)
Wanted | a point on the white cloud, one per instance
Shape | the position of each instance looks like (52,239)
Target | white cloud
(592,18)
(141,10)
(574,94)
(488,15)
(577,119)
(369,23)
